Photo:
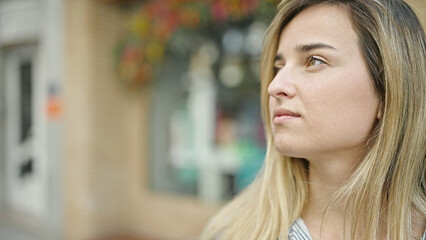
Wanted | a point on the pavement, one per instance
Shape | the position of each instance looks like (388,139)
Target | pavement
(13,234)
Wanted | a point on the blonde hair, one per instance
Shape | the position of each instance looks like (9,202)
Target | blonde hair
(390,180)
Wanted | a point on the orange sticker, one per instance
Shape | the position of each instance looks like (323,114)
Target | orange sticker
(54,108)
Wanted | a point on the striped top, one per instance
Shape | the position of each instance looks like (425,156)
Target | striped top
(299,231)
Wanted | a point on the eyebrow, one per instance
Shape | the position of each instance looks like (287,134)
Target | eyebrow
(307,48)
(312,46)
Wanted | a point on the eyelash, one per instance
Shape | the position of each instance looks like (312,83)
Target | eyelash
(276,70)
(312,58)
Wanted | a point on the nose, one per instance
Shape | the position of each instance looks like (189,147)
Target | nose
(282,85)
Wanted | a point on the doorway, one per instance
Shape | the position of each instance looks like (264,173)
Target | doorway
(25,164)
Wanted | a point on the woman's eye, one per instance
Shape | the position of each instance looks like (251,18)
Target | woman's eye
(276,70)
(313,61)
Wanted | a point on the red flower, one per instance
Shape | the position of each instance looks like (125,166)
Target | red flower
(219,11)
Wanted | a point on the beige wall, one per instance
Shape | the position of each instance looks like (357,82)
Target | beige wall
(100,123)
(106,137)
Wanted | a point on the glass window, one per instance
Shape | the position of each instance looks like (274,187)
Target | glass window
(206,135)
(25,76)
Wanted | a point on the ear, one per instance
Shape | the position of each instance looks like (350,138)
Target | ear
(379,111)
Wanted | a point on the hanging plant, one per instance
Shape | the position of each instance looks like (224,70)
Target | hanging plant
(140,54)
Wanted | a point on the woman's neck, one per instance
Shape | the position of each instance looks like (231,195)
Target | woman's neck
(325,178)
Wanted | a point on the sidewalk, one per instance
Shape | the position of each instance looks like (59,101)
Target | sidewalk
(8,234)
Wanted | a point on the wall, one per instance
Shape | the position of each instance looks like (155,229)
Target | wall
(103,124)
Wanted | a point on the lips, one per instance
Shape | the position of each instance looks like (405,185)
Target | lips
(282,115)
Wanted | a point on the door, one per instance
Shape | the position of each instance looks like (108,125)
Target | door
(26,181)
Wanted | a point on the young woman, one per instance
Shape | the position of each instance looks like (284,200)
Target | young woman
(343,92)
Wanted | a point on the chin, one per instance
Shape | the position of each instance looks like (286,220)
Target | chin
(289,151)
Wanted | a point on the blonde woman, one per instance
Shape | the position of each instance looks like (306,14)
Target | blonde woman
(343,97)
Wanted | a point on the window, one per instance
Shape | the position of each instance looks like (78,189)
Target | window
(206,135)
(206,132)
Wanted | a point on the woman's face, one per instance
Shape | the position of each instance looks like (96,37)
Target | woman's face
(322,100)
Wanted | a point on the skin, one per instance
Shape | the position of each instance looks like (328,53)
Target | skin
(323,79)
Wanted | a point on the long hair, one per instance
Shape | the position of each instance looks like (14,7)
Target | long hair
(390,179)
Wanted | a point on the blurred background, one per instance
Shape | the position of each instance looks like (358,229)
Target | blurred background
(128,119)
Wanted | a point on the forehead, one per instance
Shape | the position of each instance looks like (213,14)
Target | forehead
(329,23)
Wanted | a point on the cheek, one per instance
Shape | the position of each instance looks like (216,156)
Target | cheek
(357,98)
(346,112)
(271,106)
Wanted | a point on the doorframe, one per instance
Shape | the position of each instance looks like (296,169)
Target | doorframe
(2,135)
(49,38)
